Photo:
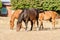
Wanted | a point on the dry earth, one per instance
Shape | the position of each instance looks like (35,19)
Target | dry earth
(46,34)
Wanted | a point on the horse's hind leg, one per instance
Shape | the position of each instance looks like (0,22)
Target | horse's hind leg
(53,23)
(32,22)
(31,26)
(34,25)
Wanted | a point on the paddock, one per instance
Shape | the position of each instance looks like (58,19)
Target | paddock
(46,34)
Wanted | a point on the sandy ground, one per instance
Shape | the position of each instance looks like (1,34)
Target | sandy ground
(46,34)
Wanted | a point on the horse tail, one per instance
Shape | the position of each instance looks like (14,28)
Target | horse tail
(56,15)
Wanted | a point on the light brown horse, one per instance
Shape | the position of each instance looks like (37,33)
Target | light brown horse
(13,17)
(47,15)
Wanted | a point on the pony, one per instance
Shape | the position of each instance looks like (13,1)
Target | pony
(27,15)
(47,15)
(14,16)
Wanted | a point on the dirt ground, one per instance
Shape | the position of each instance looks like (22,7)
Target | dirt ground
(46,34)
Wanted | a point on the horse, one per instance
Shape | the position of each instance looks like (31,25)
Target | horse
(13,17)
(27,15)
(47,15)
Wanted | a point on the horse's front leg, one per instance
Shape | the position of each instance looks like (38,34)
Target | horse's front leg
(11,24)
(26,23)
(41,24)
(18,26)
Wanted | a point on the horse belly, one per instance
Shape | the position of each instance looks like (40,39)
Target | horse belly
(46,17)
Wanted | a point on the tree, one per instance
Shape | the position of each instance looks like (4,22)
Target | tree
(40,4)
(0,4)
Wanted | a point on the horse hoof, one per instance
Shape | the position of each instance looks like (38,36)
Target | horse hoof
(26,30)
(17,30)
(11,28)
(37,29)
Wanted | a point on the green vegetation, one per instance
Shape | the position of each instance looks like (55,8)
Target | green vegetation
(0,4)
(41,4)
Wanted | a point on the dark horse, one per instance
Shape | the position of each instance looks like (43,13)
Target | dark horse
(26,15)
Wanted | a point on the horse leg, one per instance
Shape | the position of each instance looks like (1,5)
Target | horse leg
(53,23)
(37,25)
(18,26)
(31,26)
(32,22)
(11,25)
(26,22)
(12,22)
(41,25)
(34,26)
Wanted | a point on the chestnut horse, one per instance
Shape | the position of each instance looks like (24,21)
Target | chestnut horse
(47,15)
(26,15)
(13,17)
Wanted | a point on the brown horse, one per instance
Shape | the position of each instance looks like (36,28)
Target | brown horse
(47,15)
(13,17)
(26,15)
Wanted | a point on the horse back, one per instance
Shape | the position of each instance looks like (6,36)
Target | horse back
(32,14)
